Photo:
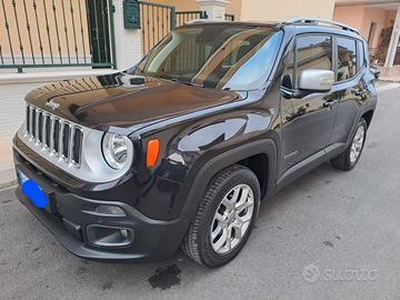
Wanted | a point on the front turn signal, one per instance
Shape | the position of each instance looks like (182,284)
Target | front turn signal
(153,149)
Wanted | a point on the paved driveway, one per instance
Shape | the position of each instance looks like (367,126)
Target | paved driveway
(329,235)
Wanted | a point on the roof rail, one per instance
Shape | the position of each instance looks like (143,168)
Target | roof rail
(316,21)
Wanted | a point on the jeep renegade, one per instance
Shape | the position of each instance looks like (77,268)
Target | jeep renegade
(178,151)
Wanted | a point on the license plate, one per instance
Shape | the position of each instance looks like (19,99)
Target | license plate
(32,190)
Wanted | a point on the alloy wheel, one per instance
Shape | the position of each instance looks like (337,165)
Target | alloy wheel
(357,144)
(232,219)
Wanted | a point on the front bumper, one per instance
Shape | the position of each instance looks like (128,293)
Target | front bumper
(69,220)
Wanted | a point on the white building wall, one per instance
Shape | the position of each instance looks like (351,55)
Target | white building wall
(127,41)
(11,117)
(13,88)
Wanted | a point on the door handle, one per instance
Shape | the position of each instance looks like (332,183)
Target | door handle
(330,102)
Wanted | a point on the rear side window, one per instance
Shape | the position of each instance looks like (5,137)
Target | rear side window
(347,59)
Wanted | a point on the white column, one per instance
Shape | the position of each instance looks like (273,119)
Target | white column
(215,9)
(394,41)
(128,42)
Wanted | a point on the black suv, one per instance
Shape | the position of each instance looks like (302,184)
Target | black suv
(178,151)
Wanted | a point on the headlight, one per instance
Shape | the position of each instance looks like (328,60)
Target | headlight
(115,150)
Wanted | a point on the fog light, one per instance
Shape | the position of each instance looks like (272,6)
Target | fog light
(104,210)
(124,233)
(109,210)
(104,236)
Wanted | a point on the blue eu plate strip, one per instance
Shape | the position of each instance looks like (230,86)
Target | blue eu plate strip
(34,193)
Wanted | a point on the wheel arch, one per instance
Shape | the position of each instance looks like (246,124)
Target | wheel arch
(255,163)
(248,155)
(367,116)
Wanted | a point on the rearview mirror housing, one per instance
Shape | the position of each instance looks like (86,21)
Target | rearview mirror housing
(316,80)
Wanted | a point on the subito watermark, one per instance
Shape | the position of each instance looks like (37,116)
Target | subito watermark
(312,273)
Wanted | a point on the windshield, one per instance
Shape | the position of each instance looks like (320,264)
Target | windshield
(215,56)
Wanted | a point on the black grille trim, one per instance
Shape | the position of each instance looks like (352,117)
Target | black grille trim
(40,127)
(77,145)
(47,130)
(56,136)
(66,138)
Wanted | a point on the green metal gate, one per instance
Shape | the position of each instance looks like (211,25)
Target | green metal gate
(229,17)
(77,33)
(185,16)
(157,20)
(56,33)
(99,32)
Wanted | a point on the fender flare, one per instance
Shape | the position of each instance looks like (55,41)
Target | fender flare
(198,182)
(365,109)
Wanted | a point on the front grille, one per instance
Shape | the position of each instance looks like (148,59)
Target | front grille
(56,135)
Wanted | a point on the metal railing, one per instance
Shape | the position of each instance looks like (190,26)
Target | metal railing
(76,33)
(47,33)
(183,17)
(229,17)
(156,21)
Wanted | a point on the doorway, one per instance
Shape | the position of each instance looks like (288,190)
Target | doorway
(99,32)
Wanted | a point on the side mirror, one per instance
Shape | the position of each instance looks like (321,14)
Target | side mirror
(316,80)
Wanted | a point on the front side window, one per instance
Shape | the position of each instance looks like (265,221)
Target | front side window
(215,56)
(289,73)
(361,55)
(314,52)
(311,52)
(347,59)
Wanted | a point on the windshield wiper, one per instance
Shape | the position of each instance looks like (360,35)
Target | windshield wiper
(176,79)
(187,82)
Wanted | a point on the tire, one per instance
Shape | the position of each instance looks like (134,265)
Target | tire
(346,160)
(227,188)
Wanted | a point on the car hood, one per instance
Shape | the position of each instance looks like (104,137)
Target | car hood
(124,101)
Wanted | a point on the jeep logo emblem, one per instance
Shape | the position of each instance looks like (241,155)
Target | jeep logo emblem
(53,105)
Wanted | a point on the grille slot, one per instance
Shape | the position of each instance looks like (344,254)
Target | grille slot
(66,137)
(77,145)
(54,134)
(28,119)
(47,130)
(33,122)
(40,127)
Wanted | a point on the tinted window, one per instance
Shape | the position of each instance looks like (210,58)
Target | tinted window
(347,59)
(216,56)
(314,52)
(361,56)
(288,74)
